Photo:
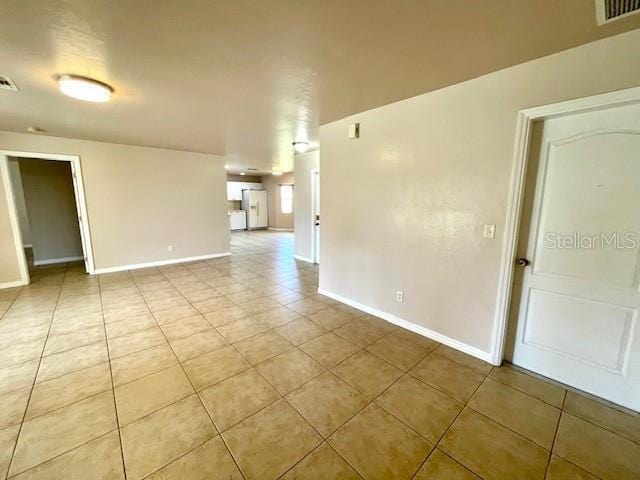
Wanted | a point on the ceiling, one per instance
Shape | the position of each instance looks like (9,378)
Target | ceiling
(245,78)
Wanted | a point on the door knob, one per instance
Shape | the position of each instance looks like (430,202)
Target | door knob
(523,262)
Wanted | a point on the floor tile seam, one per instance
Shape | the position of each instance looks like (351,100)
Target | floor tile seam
(361,349)
(522,390)
(56,409)
(439,441)
(559,409)
(555,433)
(26,407)
(401,369)
(64,453)
(128,333)
(324,442)
(78,346)
(591,422)
(215,428)
(572,462)
(471,369)
(373,402)
(163,369)
(235,461)
(282,396)
(181,456)
(113,391)
(11,303)
(157,409)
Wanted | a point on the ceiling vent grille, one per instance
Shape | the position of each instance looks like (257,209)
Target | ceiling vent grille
(610,10)
(7,84)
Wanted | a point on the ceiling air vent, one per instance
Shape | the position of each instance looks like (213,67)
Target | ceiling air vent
(7,84)
(610,10)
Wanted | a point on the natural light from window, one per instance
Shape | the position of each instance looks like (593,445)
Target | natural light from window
(286,198)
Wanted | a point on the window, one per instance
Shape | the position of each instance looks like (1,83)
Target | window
(286,198)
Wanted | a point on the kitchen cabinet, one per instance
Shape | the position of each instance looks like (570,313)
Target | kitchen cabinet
(237,220)
(234,189)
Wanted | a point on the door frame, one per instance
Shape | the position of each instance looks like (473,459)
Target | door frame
(314,201)
(524,124)
(81,206)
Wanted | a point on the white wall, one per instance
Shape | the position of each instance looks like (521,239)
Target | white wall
(51,206)
(139,200)
(21,205)
(277,219)
(303,219)
(431,170)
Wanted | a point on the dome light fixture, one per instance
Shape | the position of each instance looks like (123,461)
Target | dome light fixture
(83,88)
(300,147)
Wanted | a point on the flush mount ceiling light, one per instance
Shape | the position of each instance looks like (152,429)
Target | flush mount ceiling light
(34,129)
(300,147)
(84,88)
(276,173)
(226,167)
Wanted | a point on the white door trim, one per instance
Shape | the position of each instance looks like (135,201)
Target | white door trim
(81,205)
(15,226)
(314,172)
(514,206)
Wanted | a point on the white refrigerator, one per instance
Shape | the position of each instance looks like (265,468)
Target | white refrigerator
(255,203)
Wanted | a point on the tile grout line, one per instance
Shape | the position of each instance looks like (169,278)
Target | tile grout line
(254,367)
(197,393)
(113,387)
(200,275)
(555,434)
(371,401)
(435,445)
(44,345)
(11,303)
(555,437)
(58,455)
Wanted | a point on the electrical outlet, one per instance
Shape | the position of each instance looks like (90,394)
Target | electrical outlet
(489,231)
(399,296)
(170,248)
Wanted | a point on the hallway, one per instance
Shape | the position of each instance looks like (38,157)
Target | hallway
(236,368)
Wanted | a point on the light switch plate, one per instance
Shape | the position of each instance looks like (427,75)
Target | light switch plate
(489,231)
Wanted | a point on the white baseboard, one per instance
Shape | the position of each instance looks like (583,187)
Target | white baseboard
(51,261)
(160,263)
(303,259)
(281,229)
(16,283)
(419,329)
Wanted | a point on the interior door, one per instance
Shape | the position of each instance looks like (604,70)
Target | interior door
(577,290)
(316,216)
(81,220)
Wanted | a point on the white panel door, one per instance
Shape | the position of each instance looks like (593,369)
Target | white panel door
(316,215)
(575,305)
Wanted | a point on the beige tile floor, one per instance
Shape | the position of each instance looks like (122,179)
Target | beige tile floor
(235,367)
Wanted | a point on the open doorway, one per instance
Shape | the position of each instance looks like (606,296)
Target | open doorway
(46,203)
